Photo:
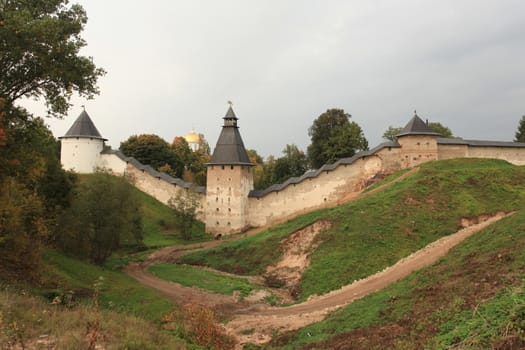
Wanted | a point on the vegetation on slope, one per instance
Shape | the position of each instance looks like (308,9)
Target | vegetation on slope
(376,231)
(472,298)
(31,323)
(118,291)
(159,224)
(211,281)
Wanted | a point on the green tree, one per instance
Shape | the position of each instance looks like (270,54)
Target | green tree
(263,170)
(23,230)
(293,163)
(39,53)
(334,136)
(441,129)
(391,133)
(34,190)
(197,169)
(104,215)
(520,133)
(185,207)
(154,151)
(39,58)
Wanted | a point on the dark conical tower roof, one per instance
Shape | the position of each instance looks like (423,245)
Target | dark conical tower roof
(416,126)
(83,127)
(230,148)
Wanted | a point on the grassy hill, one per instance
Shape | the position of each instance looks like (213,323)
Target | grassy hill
(473,298)
(131,316)
(374,232)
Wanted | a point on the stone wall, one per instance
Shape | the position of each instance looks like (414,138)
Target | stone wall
(325,189)
(228,188)
(417,149)
(159,188)
(227,198)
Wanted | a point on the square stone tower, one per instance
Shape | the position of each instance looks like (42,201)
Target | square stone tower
(229,181)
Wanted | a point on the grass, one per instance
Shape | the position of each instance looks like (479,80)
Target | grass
(159,224)
(118,292)
(472,298)
(256,252)
(374,232)
(25,319)
(194,277)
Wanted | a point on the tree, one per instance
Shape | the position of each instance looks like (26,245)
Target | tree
(185,207)
(34,190)
(441,129)
(104,215)
(154,151)
(197,169)
(391,133)
(39,58)
(293,163)
(520,133)
(334,136)
(39,53)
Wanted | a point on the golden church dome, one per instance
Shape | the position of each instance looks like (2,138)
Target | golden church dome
(192,137)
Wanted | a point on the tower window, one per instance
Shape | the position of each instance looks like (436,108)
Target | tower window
(216,199)
(217,209)
(222,167)
(229,209)
(231,167)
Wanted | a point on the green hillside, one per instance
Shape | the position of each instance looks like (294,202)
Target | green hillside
(374,232)
(473,298)
(62,306)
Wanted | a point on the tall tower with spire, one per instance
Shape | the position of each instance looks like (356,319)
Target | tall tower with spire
(229,181)
(81,146)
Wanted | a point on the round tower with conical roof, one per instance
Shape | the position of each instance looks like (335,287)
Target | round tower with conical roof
(229,181)
(81,146)
(418,143)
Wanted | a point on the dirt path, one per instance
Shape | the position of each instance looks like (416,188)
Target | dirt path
(255,323)
(261,324)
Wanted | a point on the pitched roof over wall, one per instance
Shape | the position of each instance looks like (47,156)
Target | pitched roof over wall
(416,126)
(327,167)
(480,143)
(230,148)
(83,127)
(157,174)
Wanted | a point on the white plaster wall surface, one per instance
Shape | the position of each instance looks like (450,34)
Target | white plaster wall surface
(81,154)
(325,189)
(158,188)
(513,155)
(113,163)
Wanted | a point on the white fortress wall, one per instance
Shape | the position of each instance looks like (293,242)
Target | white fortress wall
(159,187)
(326,187)
(512,155)
(113,163)
(512,152)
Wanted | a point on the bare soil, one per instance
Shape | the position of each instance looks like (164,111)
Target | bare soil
(256,322)
(251,321)
(297,248)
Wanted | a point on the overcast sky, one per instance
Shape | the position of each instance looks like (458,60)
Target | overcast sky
(173,65)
